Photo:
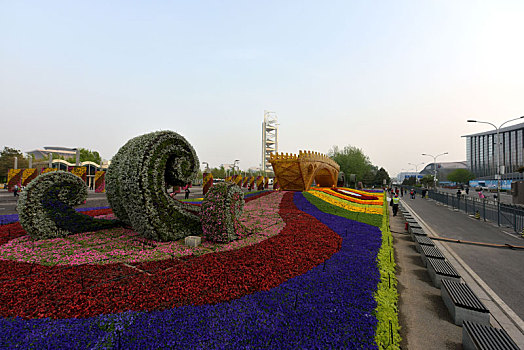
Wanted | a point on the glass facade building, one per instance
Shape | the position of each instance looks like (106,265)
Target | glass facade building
(481,152)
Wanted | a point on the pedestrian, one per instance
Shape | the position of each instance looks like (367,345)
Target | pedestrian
(15,191)
(467,190)
(187,191)
(395,201)
(424,193)
(459,193)
(481,195)
(412,194)
(402,191)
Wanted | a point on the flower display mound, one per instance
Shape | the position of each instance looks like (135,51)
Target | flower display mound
(46,207)
(330,305)
(34,291)
(221,210)
(123,245)
(136,186)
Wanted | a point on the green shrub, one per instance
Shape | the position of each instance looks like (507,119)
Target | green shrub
(221,208)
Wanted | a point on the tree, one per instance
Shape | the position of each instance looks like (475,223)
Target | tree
(219,173)
(461,176)
(368,179)
(7,161)
(380,176)
(427,180)
(409,181)
(352,161)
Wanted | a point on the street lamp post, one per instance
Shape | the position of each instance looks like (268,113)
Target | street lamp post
(235,165)
(416,169)
(434,166)
(499,172)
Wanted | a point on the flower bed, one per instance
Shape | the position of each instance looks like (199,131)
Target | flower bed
(313,285)
(126,246)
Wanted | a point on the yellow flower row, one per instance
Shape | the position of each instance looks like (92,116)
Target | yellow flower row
(347,205)
(353,199)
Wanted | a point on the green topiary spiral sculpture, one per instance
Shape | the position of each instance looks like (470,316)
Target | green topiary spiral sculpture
(136,185)
(46,206)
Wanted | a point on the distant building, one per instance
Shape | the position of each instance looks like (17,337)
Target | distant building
(62,151)
(443,169)
(407,174)
(481,152)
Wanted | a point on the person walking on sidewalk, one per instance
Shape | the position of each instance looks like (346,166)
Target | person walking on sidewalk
(395,201)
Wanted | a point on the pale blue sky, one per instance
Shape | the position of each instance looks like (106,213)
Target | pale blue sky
(394,78)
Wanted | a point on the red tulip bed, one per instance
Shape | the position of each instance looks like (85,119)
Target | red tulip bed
(309,277)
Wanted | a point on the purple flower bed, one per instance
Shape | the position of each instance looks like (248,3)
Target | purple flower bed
(7,219)
(330,306)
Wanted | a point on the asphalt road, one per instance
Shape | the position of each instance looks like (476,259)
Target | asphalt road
(501,269)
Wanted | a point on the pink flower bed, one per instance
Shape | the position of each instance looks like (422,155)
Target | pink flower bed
(126,246)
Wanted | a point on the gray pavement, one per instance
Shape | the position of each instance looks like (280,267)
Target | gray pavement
(424,319)
(496,274)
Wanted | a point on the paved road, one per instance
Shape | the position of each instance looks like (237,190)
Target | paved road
(501,269)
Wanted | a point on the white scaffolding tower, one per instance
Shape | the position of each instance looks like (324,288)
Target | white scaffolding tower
(269,139)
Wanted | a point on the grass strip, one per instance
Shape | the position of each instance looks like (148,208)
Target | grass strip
(387,334)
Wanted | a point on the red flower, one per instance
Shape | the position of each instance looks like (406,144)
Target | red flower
(34,291)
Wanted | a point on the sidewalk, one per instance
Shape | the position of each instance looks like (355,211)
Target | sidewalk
(495,275)
(424,319)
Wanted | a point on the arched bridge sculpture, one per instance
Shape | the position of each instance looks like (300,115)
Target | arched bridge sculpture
(297,173)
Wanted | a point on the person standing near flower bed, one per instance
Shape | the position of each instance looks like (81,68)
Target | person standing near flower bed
(395,200)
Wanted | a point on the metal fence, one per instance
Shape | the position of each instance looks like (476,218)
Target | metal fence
(502,214)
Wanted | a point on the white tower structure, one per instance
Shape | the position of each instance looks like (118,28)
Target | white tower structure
(269,139)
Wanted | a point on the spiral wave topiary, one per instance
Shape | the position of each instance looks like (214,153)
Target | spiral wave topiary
(221,208)
(46,206)
(137,180)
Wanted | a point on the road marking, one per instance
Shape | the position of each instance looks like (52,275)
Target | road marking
(510,234)
(517,321)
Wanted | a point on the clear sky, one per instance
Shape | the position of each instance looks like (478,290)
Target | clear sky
(394,78)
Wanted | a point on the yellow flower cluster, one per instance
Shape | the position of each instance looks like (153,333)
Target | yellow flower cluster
(369,209)
(378,201)
(28,175)
(49,170)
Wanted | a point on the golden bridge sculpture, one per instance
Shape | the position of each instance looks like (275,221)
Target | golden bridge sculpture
(297,173)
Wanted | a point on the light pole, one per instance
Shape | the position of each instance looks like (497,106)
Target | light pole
(416,166)
(235,165)
(434,165)
(207,165)
(498,175)
(416,169)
